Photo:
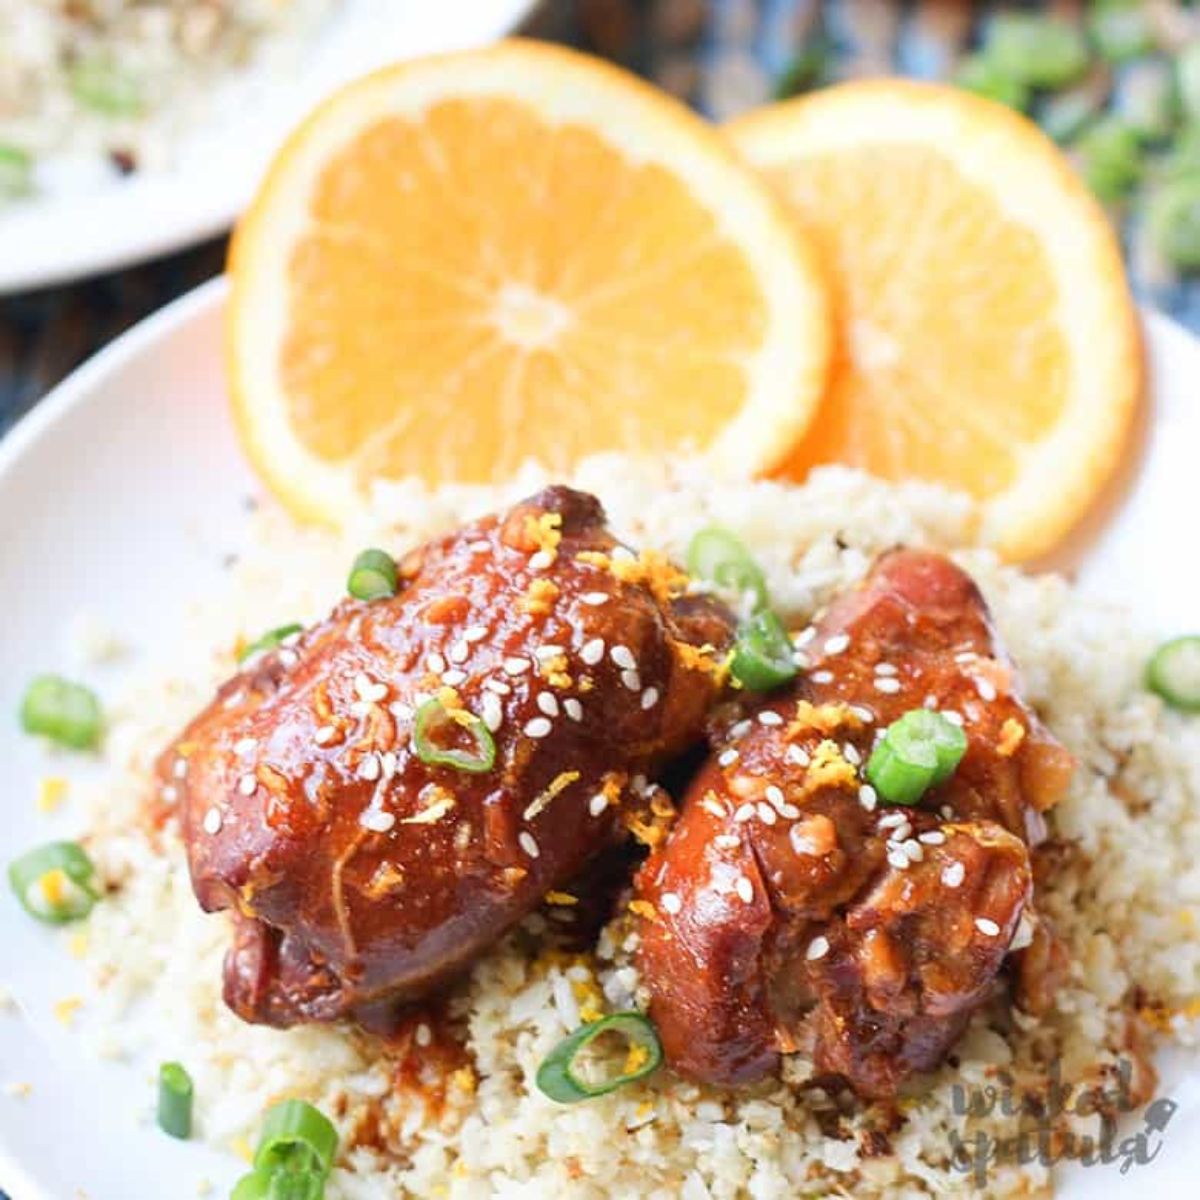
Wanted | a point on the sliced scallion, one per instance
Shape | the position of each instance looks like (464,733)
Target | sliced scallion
(1040,51)
(717,556)
(762,656)
(1121,29)
(373,576)
(295,1135)
(175,1096)
(269,640)
(65,712)
(559,1075)
(434,723)
(105,88)
(280,1185)
(55,883)
(977,73)
(918,751)
(1173,673)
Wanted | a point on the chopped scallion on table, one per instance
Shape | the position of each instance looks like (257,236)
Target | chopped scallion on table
(55,883)
(762,656)
(560,1076)
(1110,157)
(1173,221)
(175,1095)
(1039,51)
(918,751)
(434,724)
(1121,29)
(373,576)
(65,712)
(269,640)
(1173,673)
(977,73)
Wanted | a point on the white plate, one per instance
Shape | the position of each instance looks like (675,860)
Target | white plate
(68,236)
(123,491)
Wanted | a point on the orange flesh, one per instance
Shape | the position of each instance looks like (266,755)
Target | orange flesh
(933,290)
(490,284)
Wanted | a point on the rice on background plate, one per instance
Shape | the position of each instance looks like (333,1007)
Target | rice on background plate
(423,1122)
(93,88)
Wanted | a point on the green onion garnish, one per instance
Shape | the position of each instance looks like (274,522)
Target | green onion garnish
(1039,51)
(762,656)
(1121,29)
(373,576)
(1110,157)
(918,751)
(1173,673)
(1173,220)
(175,1100)
(717,556)
(270,640)
(434,720)
(55,883)
(16,172)
(295,1155)
(977,73)
(103,87)
(65,712)
(559,1078)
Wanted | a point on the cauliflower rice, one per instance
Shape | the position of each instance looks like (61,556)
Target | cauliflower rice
(1125,896)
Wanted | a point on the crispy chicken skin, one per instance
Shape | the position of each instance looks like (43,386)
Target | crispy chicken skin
(792,911)
(360,876)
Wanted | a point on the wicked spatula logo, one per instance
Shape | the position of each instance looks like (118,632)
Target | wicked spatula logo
(1044,1134)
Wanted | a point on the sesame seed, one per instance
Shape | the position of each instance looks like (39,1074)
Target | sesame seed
(798,755)
(592,651)
(744,812)
(498,686)
(548,651)
(835,645)
(528,843)
(885,668)
(479,546)
(287,657)
(930,702)
(474,633)
(212,821)
(548,703)
(898,859)
(360,708)
(804,637)
(822,677)
(670,903)
(245,746)
(650,697)
(727,841)
(986,689)
(423,1035)
(597,804)
(766,814)
(987,926)
(955,718)
(594,599)
(169,794)
(180,768)
(573,708)
(516,666)
(713,805)
(740,729)
(867,797)
(247,785)
(362,685)
(851,755)
(745,889)
(324,735)
(541,560)
(454,677)
(913,849)
(539,727)
(623,657)
(769,717)
(817,948)
(901,831)
(727,757)
(947,812)
(435,663)
(865,715)
(953,874)
(377,821)
(892,819)
(775,794)
(369,769)
(789,812)
(400,710)
(965,656)
(389,762)
(490,711)
(632,680)
(935,837)
(890,686)
(459,652)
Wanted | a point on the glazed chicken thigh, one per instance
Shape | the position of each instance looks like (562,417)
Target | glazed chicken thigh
(792,910)
(380,801)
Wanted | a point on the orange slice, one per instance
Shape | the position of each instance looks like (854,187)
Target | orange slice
(987,339)
(464,262)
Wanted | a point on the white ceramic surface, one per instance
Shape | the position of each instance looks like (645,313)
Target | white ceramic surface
(122,492)
(68,236)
